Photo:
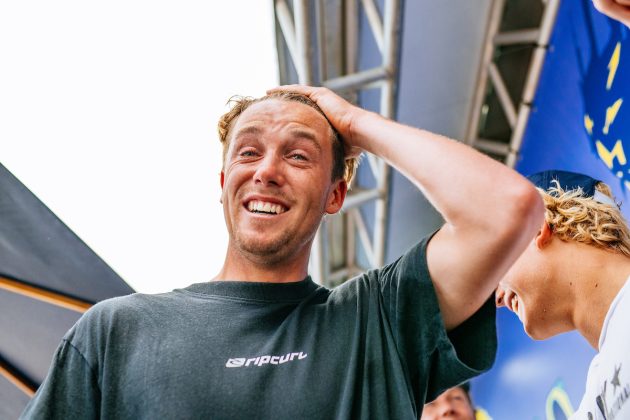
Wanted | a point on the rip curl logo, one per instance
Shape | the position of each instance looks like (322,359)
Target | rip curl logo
(238,362)
(264,360)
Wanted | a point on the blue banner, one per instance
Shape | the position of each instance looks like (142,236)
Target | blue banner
(579,121)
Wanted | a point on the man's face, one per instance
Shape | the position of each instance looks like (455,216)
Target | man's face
(451,404)
(277,179)
(531,290)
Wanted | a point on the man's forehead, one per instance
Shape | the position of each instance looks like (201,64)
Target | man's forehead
(457,390)
(297,131)
(293,115)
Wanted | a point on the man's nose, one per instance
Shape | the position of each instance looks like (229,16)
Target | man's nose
(269,171)
(499,297)
(447,410)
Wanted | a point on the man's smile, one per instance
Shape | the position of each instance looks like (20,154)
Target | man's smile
(260,205)
(265,207)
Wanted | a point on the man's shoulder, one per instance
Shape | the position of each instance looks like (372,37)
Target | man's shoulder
(124,311)
(408,270)
(131,303)
(411,263)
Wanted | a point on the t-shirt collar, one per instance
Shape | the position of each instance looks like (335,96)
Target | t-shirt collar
(611,311)
(292,291)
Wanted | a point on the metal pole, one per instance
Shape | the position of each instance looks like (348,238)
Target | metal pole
(285,20)
(374,19)
(531,84)
(496,11)
(303,41)
(356,80)
(388,95)
(502,94)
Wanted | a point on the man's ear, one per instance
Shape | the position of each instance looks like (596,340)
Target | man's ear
(544,236)
(336,196)
(222,180)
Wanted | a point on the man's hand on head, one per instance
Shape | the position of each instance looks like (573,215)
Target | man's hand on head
(340,113)
(615,9)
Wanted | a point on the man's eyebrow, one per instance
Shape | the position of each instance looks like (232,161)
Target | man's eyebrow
(250,129)
(308,135)
(296,133)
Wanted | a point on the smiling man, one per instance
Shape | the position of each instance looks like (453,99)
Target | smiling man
(262,340)
(573,276)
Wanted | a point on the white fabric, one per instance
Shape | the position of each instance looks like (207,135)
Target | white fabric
(607,394)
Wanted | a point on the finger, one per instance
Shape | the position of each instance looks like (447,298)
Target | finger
(622,12)
(603,6)
(612,9)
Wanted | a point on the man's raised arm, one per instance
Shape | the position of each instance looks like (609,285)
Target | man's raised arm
(491,212)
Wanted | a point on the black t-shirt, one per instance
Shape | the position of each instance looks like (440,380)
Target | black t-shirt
(374,347)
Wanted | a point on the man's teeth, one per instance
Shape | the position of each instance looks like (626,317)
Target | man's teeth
(265,207)
(514,303)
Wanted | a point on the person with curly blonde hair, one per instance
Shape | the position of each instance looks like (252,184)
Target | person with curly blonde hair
(574,276)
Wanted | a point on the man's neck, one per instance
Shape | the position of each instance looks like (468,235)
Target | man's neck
(239,266)
(599,277)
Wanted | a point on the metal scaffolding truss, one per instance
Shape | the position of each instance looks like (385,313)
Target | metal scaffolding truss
(511,95)
(318,43)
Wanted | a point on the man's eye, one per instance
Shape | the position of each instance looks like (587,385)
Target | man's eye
(298,156)
(248,153)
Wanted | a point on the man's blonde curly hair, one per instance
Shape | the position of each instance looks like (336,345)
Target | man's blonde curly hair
(342,167)
(575,217)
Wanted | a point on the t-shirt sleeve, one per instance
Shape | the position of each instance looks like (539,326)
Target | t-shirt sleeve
(70,390)
(434,359)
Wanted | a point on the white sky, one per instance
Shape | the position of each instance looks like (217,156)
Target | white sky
(108,114)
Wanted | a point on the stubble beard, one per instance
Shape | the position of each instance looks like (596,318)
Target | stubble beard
(270,252)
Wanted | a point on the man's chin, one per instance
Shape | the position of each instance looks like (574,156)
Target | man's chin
(269,251)
(537,334)
(262,249)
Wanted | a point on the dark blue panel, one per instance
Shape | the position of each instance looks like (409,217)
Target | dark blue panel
(13,400)
(37,248)
(30,331)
